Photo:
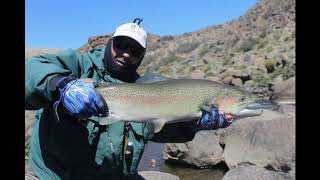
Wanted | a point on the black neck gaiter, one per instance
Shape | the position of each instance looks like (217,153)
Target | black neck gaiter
(128,73)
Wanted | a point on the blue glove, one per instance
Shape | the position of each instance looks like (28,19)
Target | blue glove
(214,119)
(81,100)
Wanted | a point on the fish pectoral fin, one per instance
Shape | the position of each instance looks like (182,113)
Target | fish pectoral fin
(208,106)
(108,120)
(158,124)
(205,107)
(100,84)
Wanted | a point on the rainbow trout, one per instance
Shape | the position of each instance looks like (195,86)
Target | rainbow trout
(174,100)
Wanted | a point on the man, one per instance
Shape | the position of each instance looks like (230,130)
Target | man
(67,140)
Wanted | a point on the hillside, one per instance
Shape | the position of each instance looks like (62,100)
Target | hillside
(255,51)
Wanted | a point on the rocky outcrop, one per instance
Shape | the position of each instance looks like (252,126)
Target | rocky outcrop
(284,90)
(253,173)
(95,42)
(203,151)
(156,175)
(265,142)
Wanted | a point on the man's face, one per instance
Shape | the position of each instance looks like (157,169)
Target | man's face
(126,51)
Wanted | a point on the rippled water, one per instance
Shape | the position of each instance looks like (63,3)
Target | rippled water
(152,160)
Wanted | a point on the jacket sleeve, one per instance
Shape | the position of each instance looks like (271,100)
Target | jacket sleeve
(39,70)
(176,132)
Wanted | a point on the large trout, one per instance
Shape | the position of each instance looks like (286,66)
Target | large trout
(174,100)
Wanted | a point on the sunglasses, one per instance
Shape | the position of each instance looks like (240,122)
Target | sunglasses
(123,43)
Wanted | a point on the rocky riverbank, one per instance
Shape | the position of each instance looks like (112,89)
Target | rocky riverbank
(261,146)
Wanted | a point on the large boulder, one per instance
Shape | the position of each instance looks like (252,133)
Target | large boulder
(285,90)
(253,173)
(156,175)
(203,151)
(266,141)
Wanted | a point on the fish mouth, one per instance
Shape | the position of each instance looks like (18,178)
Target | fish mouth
(248,113)
(260,105)
(254,109)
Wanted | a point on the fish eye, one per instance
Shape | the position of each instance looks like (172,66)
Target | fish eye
(242,98)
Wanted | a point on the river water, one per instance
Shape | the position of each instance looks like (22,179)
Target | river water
(152,160)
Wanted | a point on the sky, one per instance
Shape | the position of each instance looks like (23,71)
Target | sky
(69,23)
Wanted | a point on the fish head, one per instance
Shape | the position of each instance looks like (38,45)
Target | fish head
(239,103)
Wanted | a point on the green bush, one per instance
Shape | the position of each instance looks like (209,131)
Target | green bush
(248,44)
(226,61)
(261,80)
(293,35)
(170,57)
(286,38)
(262,44)
(270,65)
(187,47)
(203,52)
(241,66)
(286,73)
(269,49)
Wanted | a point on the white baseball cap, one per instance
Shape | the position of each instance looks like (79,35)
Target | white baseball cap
(133,31)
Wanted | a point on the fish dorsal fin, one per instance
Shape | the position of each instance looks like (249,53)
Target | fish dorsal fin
(158,124)
(149,70)
(151,77)
(101,84)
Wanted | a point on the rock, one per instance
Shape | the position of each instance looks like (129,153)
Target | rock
(98,41)
(237,82)
(286,108)
(265,141)
(213,78)
(278,79)
(197,73)
(156,175)
(95,42)
(246,44)
(285,90)
(203,151)
(249,83)
(227,80)
(252,173)
(187,47)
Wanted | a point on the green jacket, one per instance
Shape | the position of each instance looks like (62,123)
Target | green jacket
(71,150)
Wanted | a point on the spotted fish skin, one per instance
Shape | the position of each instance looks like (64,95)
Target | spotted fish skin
(171,100)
